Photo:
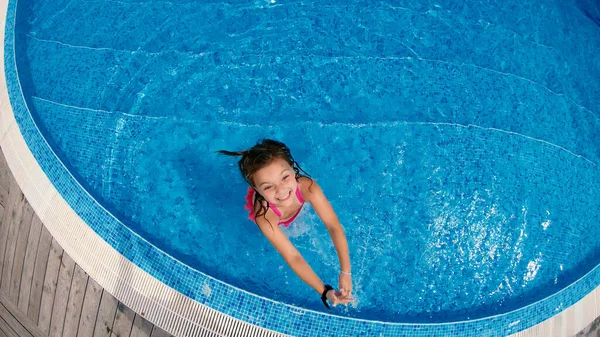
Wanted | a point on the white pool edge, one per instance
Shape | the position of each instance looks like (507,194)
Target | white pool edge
(158,303)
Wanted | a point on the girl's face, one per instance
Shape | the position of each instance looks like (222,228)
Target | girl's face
(276,182)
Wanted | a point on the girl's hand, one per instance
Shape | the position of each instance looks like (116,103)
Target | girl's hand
(345,284)
(336,297)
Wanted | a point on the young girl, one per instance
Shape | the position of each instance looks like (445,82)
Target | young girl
(276,195)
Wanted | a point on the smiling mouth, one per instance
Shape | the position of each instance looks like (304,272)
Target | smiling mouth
(286,198)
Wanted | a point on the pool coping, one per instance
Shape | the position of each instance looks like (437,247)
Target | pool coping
(181,312)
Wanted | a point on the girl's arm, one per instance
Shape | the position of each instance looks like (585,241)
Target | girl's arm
(312,193)
(289,253)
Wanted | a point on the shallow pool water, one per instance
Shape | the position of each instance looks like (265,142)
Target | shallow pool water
(459,142)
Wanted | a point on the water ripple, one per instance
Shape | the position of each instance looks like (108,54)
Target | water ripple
(334,57)
(333,124)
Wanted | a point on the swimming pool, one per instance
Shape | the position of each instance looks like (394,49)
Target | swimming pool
(424,144)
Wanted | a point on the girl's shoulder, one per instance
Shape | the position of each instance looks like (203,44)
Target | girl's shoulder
(308,187)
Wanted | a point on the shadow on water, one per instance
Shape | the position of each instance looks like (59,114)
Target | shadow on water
(596,20)
(591,9)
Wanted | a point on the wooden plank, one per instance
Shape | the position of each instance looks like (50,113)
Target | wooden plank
(158,332)
(5,224)
(106,315)
(5,178)
(2,334)
(141,327)
(39,273)
(19,316)
(20,248)
(89,311)
(123,321)
(592,330)
(63,287)
(11,242)
(8,233)
(5,175)
(75,303)
(4,190)
(2,211)
(49,289)
(12,323)
(3,162)
(5,328)
(29,263)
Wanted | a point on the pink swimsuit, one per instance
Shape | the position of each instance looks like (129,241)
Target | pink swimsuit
(249,206)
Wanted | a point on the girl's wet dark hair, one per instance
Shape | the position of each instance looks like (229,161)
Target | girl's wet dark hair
(259,156)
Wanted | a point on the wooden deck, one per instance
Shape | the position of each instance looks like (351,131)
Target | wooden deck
(42,291)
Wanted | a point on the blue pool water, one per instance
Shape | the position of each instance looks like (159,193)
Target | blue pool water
(459,142)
